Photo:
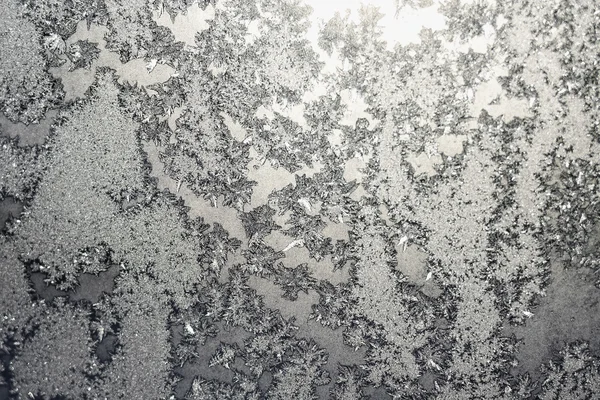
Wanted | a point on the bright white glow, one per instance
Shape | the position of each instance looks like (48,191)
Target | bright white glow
(479,44)
(185,27)
(405,28)
(401,27)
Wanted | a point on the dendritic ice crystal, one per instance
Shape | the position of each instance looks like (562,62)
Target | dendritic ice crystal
(299,199)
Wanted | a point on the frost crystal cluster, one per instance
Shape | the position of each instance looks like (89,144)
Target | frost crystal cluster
(299,199)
